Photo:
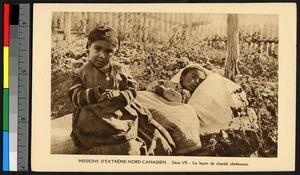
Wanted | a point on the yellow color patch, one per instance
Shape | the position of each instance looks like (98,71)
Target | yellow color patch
(5,66)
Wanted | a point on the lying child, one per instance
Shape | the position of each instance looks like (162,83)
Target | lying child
(191,77)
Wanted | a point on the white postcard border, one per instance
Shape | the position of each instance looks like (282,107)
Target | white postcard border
(42,160)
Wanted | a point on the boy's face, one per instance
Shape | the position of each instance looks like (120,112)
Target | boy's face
(101,52)
(192,80)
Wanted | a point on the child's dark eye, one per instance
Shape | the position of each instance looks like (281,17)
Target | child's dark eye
(109,50)
(98,48)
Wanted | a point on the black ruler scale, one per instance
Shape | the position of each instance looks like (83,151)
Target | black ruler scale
(23,86)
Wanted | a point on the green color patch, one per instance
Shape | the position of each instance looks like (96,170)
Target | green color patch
(5,109)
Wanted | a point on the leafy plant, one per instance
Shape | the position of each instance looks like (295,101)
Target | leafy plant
(155,57)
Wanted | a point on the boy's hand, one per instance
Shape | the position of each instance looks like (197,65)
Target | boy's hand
(109,94)
(172,95)
(159,89)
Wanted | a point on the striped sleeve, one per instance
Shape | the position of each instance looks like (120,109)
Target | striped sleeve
(80,96)
(128,88)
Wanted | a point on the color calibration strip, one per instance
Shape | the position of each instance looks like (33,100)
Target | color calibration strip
(6,32)
(13,85)
(16,84)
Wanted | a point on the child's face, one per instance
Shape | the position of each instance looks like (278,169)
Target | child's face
(192,79)
(101,52)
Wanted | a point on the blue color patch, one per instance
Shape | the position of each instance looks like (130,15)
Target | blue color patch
(5,151)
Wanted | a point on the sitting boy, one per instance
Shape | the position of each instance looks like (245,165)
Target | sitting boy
(106,116)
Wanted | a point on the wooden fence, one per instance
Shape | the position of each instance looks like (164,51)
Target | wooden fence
(164,25)
(201,24)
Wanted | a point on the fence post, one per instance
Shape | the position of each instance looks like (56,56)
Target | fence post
(84,22)
(67,26)
(115,20)
(110,17)
(202,20)
(120,23)
(151,21)
(145,26)
(54,20)
(78,21)
(162,24)
(102,18)
(261,45)
(168,22)
(97,19)
(177,20)
(267,49)
(172,20)
(188,18)
(73,21)
(61,20)
(273,46)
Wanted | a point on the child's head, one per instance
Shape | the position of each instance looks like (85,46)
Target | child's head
(191,77)
(102,45)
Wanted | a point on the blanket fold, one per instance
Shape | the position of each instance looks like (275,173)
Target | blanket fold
(180,120)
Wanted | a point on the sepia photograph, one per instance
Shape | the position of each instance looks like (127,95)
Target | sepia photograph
(165,84)
(206,84)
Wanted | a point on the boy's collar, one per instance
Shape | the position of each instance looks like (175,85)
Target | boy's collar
(106,68)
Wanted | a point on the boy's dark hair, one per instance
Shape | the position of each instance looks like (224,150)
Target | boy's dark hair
(188,69)
(103,33)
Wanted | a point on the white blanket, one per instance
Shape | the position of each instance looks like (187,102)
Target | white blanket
(180,120)
(213,100)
